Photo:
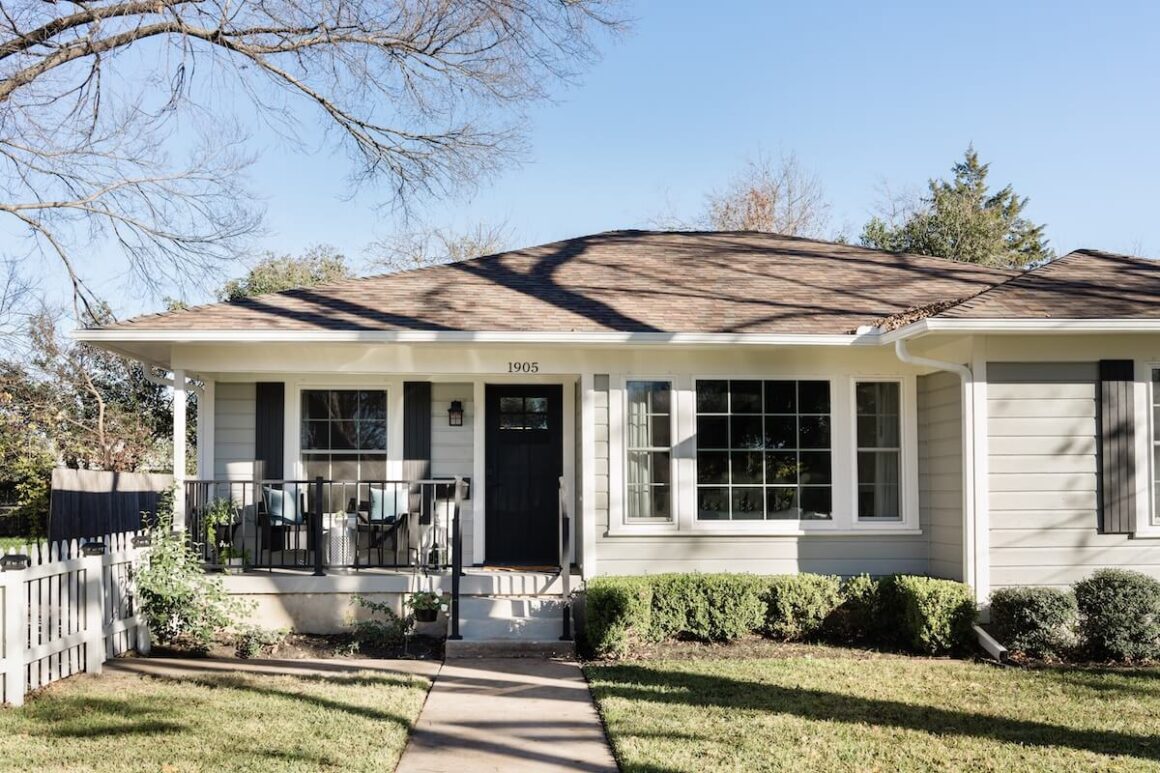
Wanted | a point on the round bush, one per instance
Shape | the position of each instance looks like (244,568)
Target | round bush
(1119,615)
(1040,622)
(798,604)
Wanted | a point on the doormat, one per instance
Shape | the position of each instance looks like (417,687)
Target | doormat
(519,568)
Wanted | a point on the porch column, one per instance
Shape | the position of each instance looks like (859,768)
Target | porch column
(587,499)
(205,431)
(179,395)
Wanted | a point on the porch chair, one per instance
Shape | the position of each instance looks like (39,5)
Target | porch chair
(282,513)
(384,515)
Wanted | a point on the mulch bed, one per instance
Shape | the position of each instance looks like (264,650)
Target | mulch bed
(298,646)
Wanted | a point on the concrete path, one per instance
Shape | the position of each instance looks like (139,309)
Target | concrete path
(508,715)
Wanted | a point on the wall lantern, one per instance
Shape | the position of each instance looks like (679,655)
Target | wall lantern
(93,549)
(14,562)
(455,414)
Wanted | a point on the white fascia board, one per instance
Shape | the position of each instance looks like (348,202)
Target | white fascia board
(458,336)
(1024,326)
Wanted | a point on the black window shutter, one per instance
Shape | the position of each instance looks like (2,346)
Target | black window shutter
(1117,447)
(417,439)
(269,426)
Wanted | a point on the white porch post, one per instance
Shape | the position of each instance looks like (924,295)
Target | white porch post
(205,431)
(587,498)
(179,395)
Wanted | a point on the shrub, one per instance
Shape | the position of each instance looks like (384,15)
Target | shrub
(1038,621)
(857,618)
(705,607)
(182,604)
(1119,615)
(383,630)
(796,605)
(616,610)
(936,615)
(252,641)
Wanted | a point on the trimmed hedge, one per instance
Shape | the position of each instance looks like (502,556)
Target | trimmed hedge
(797,605)
(932,616)
(936,614)
(1119,615)
(1040,622)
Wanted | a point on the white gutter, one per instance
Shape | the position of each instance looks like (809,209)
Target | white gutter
(966,377)
(867,337)
(1021,326)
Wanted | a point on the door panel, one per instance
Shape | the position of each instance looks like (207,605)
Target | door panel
(525,459)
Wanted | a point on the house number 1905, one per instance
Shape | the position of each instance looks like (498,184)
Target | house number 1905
(523,367)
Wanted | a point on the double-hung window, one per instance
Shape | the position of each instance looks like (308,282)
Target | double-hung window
(344,434)
(763,450)
(648,452)
(879,456)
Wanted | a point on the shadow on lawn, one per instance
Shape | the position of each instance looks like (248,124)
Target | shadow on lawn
(678,687)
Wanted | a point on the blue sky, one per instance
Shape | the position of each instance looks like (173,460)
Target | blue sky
(1060,97)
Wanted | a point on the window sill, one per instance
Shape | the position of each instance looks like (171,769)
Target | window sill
(700,531)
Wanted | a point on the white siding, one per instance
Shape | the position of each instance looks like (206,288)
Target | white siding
(940,471)
(1043,479)
(233,457)
(452,448)
(600,463)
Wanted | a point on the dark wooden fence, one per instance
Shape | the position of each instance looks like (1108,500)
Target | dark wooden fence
(87,503)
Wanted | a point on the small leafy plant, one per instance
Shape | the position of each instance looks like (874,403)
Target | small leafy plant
(181,603)
(252,641)
(384,630)
(426,602)
(218,513)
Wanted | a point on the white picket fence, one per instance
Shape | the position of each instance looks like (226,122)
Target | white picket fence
(67,613)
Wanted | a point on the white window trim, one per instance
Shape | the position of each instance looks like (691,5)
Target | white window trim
(1147,508)
(839,521)
(908,456)
(292,450)
(618,522)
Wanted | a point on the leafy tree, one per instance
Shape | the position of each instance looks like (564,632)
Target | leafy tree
(962,219)
(275,273)
(123,121)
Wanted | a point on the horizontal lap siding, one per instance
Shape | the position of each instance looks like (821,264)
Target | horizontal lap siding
(453,448)
(940,471)
(1043,478)
(869,553)
(600,462)
(233,431)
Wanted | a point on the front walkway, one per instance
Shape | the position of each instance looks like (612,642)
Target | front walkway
(508,715)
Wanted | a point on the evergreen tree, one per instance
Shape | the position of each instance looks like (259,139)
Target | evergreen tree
(961,219)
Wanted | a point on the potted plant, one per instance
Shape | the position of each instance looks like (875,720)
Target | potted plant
(426,605)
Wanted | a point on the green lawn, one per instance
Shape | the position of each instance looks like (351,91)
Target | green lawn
(232,722)
(829,710)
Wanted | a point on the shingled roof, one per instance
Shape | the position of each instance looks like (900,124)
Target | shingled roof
(620,281)
(1085,284)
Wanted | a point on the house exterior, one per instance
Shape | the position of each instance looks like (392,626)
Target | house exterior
(704,402)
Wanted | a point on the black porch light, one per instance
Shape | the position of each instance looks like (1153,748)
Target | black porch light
(13,562)
(455,414)
(93,549)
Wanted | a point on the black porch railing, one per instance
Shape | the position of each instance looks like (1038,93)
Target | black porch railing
(321,524)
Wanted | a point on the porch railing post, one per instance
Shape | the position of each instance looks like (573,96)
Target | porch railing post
(319,571)
(456,559)
(565,565)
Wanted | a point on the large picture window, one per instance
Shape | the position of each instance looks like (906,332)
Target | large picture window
(763,450)
(879,450)
(344,434)
(648,451)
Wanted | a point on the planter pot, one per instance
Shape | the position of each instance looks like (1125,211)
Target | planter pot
(235,566)
(426,615)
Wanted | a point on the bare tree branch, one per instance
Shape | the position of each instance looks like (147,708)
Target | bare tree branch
(431,246)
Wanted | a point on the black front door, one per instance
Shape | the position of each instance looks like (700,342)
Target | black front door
(525,458)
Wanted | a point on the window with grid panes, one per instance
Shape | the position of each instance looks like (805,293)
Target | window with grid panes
(648,451)
(344,434)
(763,450)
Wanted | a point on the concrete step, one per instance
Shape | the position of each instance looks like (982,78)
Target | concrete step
(514,618)
(509,648)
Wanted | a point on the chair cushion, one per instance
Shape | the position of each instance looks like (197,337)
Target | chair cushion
(385,501)
(280,506)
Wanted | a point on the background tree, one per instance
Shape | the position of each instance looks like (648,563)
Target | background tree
(115,114)
(274,273)
(962,219)
(777,196)
(427,247)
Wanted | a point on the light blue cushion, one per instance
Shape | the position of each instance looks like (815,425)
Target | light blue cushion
(281,507)
(385,502)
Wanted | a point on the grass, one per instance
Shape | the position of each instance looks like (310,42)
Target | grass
(827,709)
(216,722)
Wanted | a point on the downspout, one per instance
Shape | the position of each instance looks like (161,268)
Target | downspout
(967,378)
